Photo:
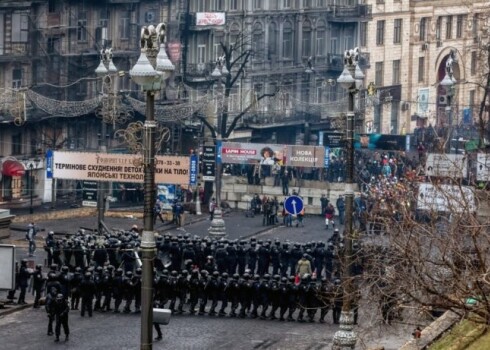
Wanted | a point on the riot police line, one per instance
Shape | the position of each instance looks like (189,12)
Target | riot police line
(254,278)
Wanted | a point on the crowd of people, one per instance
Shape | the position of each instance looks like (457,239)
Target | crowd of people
(253,278)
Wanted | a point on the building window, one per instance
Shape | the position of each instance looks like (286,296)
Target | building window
(82,26)
(287,41)
(319,92)
(421,69)
(218,5)
(474,28)
(472,99)
(258,41)
(124,28)
(16,78)
(20,27)
(379,72)
(217,49)
(233,5)
(397,33)
(257,4)
(272,40)
(363,36)
(306,39)
(449,27)
(320,3)
(286,4)
(307,4)
(52,8)
(423,29)
(380,33)
(201,54)
(459,26)
(320,41)
(396,72)
(395,107)
(16,144)
(104,18)
(378,118)
(438,28)
(473,62)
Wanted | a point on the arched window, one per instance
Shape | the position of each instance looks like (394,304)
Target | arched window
(306,47)
(287,40)
(258,41)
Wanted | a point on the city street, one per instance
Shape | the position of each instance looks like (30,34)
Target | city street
(26,329)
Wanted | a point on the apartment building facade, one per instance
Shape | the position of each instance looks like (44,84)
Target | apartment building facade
(409,43)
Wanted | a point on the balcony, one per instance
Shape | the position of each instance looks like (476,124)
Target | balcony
(346,13)
(199,71)
(336,62)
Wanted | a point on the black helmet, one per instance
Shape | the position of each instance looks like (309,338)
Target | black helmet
(129,273)
(195,272)
(284,279)
(204,273)
(99,269)
(139,271)
(39,267)
(23,262)
(119,272)
(88,274)
(110,268)
(337,282)
(224,275)
(246,276)
(51,276)
(236,276)
(277,277)
(78,269)
(256,277)
(267,276)
(185,273)
(65,268)
(173,273)
(215,273)
(292,279)
(59,296)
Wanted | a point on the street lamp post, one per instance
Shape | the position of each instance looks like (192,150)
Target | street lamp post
(218,228)
(151,77)
(31,164)
(448,83)
(107,71)
(351,80)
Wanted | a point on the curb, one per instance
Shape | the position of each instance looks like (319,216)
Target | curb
(15,308)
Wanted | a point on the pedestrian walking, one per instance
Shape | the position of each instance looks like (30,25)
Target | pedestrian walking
(31,237)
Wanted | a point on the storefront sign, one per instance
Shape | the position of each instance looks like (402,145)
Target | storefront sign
(208,163)
(89,196)
(193,170)
(118,167)
(210,19)
(305,156)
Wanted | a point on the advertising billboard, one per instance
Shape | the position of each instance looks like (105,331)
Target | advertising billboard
(118,167)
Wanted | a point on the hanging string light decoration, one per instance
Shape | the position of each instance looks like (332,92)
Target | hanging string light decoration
(63,108)
(14,103)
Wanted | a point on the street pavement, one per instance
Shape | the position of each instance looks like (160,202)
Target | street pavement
(26,329)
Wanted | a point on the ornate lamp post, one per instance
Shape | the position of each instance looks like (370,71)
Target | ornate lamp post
(218,228)
(448,84)
(107,71)
(351,80)
(151,77)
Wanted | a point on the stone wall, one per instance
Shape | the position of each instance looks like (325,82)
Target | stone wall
(238,193)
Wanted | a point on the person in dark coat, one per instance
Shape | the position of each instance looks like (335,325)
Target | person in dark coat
(87,292)
(60,310)
(23,281)
(38,284)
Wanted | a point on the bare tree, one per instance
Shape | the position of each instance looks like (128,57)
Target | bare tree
(236,57)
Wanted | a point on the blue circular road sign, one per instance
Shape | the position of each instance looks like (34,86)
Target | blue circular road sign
(293,205)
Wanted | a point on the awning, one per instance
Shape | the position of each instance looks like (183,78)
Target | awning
(13,168)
